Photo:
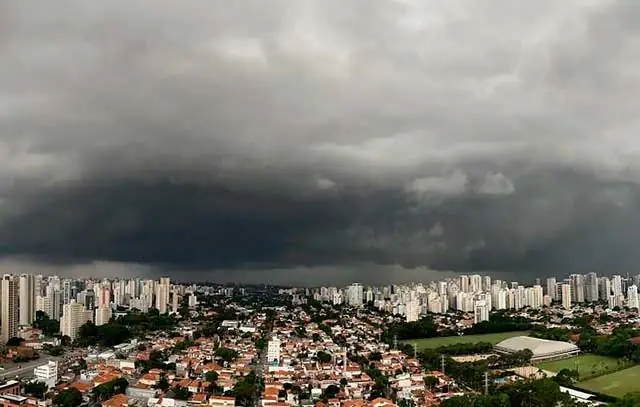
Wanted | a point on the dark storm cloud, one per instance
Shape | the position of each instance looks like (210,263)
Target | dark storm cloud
(320,135)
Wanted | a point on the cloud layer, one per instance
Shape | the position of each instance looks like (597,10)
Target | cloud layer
(306,135)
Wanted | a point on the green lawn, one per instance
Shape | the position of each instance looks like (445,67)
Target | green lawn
(588,365)
(430,343)
(615,384)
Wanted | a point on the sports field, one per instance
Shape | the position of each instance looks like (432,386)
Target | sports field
(430,343)
(615,384)
(588,365)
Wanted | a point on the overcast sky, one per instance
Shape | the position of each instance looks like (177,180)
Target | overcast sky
(320,141)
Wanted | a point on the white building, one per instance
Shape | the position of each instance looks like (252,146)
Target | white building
(162,295)
(480,311)
(632,297)
(566,296)
(273,351)
(73,317)
(412,310)
(47,373)
(193,300)
(551,288)
(27,299)
(103,315)
(355,295)
(9,308)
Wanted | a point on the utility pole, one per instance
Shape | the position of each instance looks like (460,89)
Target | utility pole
(442,364)
(415,350)
(486,383)
(395,342)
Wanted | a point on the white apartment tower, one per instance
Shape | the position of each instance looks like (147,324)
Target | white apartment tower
(566,296)
(480,311)
(103,315)
(27,299)
(355,295)
(162,295)
(412,310)
(9,308)
(551,288)
(73,317)
(632,297)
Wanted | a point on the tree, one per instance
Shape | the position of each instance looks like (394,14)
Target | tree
(107,390)
(162,384)
(629,400)
(344,382)
(211,376)
(323,357)
(15,341)
(68,398)
(226,354)
(430,382)
(181,393)
(48,326)
(35,388)
(331,391)
(375,356)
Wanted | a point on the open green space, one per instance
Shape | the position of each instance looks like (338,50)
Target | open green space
(615,384)
(588,365)
(430,343)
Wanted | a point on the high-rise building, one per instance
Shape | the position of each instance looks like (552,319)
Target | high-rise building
(162,295)
(73,317)
(463,283)
(480,311)
(175,302)
(566,296)
(27,299)
(9,308)
(605,288)
(354,295)
(616,285)
(43,303)
(412,310)
(103,315)
(476,283)
(591,287)
(577,288)
(551,288)
(632,297)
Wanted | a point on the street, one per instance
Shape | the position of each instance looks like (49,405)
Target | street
(25,369)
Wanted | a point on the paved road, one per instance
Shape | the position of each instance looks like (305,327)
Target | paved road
(25,369)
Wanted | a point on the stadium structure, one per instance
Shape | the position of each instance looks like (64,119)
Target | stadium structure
(543,349)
